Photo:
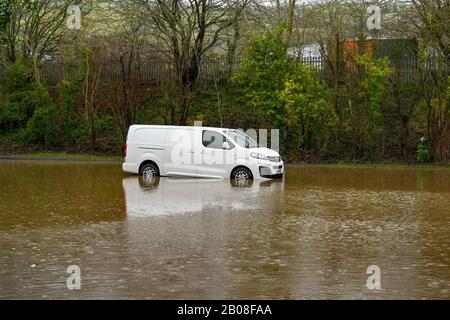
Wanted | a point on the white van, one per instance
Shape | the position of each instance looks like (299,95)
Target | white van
(198,152)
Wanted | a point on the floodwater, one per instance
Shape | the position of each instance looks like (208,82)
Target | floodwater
(312,236)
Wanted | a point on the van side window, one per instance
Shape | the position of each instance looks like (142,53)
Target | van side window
(214,140)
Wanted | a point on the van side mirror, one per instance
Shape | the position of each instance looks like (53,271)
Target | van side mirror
(226,146)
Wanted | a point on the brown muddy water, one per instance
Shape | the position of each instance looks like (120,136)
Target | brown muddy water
(312,236)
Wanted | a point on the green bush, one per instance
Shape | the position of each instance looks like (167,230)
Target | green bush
(262,74)
(309,116)
(44,127)
(69,91)
(19,96)
(108,135)
(423,154)
(11,117)
(18,76)
(289,94)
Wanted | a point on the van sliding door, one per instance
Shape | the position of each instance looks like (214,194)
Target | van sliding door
(179,152)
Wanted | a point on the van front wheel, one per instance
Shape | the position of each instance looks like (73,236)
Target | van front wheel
(149,169)
(242,174)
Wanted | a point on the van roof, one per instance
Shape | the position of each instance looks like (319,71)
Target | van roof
(138,126)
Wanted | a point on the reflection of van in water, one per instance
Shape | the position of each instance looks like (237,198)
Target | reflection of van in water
(198,152)
(159,196)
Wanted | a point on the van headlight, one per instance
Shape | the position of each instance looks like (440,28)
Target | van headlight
(259,156)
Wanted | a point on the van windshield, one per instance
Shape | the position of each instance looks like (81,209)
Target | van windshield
(242,139)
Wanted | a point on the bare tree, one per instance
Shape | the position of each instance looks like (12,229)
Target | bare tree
(128,45)
(184,31)
(290,19)
(434,17)
(430,21)
(35,27)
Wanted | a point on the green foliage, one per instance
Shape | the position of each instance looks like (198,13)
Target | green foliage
(42,129)
(107,135)
(17,77)
(263,73)
(366,112)
(373,83)
(290,95)
(309,115)
(423,154)
(18,95)
(27,106)
(5,15)
(69,91)
(10,117)
(225,106)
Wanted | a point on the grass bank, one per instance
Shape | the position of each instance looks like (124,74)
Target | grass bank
(60,156)
(95,157)
(381,165)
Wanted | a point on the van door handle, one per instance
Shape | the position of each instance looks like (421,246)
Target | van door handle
(192,151)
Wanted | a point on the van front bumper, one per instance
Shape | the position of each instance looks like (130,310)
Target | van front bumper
(268,170)
(275,172)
